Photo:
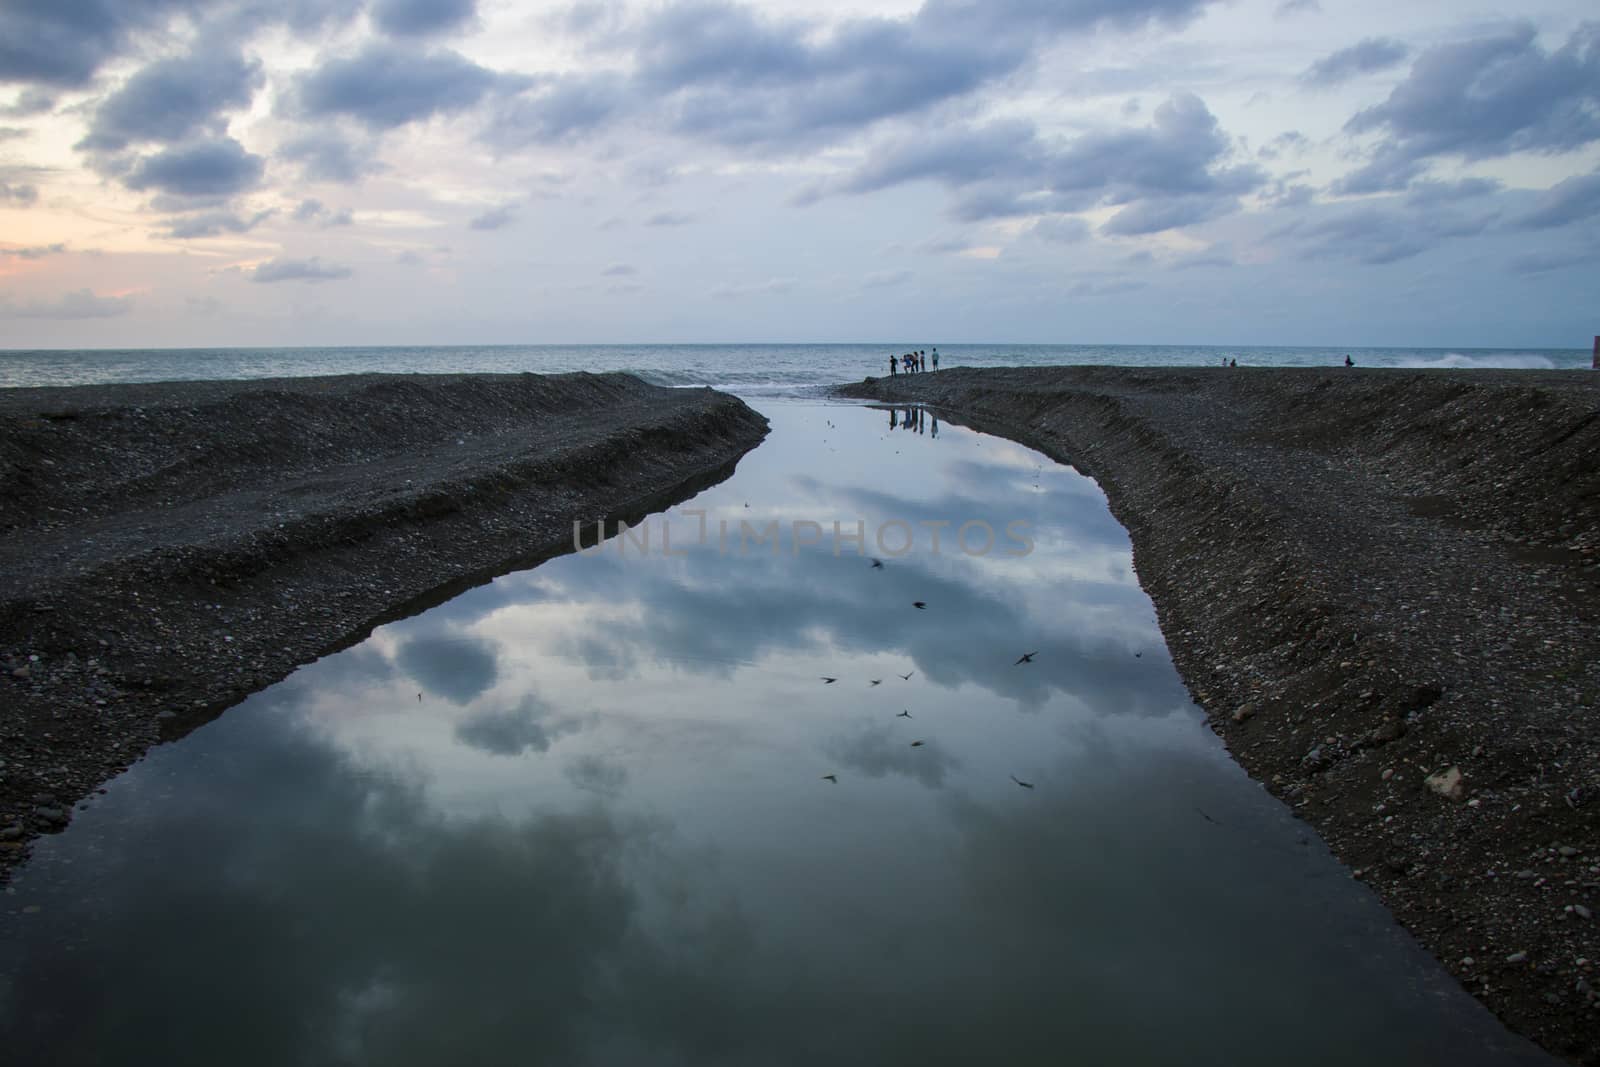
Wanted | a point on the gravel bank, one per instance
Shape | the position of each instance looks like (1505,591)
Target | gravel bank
(167,549)
(1384,588)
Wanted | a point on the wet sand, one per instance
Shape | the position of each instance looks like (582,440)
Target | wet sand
(169,548)
(1384,588)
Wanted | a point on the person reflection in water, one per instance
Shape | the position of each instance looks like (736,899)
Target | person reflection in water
(934,430)
(893,414)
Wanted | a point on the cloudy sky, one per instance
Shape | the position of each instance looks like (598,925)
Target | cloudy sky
(271,172)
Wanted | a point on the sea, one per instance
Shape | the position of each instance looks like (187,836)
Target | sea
(776,370)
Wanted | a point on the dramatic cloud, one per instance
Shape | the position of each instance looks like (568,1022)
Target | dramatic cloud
(730,74)
(1484,98)
(1372,54)
(215,168)
(495,218)
(1570,201)
(559,110)
(414,660)
(325,156)
(1167,174)
(386,85)
(30,102)
(173,100)
(82,304)
(64,43)
(420,18)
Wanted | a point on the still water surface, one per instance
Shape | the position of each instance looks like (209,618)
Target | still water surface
(578,816)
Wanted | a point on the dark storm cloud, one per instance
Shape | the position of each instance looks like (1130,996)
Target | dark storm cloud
(387,85)
(1566,202)
(457,667)
(1365,57)
(314,269)
(730,74)
(215,223)
(531,725)
(495,218)
(174,99)
(421,18)
(206,168)
(1483,98)
(325,156)
(64,43)
(1169,174)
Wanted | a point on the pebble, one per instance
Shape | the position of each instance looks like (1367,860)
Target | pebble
(1582,912)
(1517,957)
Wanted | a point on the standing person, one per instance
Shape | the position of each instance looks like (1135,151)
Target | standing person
(893,369)
(936,358)
(1348,362)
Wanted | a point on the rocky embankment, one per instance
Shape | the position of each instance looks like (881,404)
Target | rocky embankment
(1383,587)
(166,549)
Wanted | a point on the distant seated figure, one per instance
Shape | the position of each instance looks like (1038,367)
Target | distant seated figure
(1348,362)
(1233,362)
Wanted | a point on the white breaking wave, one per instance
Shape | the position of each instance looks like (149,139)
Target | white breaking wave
(1486,361)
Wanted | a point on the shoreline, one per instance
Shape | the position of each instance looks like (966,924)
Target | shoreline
(170,548)
(1383,588)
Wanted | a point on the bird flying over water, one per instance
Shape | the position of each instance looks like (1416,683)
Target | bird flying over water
(875,681)
(918,604)
(834,778)
(904,715)
(829,681)
(877,564)
(1019,781)
(918,744)
(1026,657)
(907,677)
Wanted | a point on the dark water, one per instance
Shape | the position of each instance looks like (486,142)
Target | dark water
(602,836)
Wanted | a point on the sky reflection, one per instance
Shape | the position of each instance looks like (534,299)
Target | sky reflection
(578,816)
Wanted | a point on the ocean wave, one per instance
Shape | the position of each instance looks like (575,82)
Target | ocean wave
(1484,361)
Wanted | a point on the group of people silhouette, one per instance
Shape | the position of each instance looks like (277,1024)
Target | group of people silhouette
(912,362)
(913,419)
